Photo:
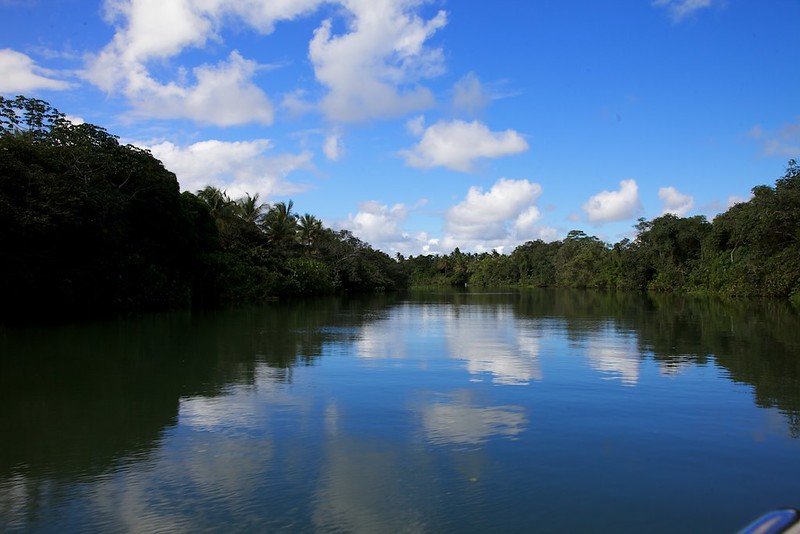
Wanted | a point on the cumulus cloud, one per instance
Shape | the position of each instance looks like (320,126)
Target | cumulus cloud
(784,142)
(680,9)
(485,214)
(675,202)
(263,15)
(457,144)
(373,71)
(19,73)
(237,167)
(608,206)
(148,29)
(380,225)
(377,222)
(223,95)
(153,30)
(500,218)
(527,220)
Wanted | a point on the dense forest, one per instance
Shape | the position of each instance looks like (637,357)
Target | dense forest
(90,226)
(753,249)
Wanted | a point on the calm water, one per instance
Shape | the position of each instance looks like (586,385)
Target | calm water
(452,412)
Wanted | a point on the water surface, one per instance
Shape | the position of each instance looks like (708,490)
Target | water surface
(441,412)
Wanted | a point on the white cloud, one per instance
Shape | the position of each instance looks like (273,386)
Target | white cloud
(527,219)
(374,70)
(381,226)
(469,95)
(500,218)
(485,214)
(238,167)
(333,147)
(618,205)
(784,142)
(155,30)
(150,29)
(19,73)
(263,15)
(224,95)
(680,9)
(675,202)
(457,144)
(377,222)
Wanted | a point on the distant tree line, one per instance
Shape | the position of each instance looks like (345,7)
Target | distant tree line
(753,249)
(90,226)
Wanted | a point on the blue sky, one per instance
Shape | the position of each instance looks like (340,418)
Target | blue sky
(427,125)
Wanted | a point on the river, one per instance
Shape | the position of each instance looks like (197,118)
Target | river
(506,411)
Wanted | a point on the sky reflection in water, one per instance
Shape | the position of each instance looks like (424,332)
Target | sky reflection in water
(424,415)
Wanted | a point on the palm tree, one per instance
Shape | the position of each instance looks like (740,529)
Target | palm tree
(310,228)
(223,210)
(248,209)
(217,200)
(280,225)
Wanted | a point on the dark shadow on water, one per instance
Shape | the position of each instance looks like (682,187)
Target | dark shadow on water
(76,397)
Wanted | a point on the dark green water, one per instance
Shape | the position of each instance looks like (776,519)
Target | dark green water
(453,412)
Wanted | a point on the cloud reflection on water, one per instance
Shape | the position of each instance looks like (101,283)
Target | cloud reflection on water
(616,355)
(492,341)
(458,418)
(366,487)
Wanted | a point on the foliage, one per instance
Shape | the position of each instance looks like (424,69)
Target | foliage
(753,249)
(88,225)
(535,262)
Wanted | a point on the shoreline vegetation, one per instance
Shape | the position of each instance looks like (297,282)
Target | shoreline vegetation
(93,227)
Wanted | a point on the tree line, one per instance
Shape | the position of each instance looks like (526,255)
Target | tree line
(752,249)
(91,226)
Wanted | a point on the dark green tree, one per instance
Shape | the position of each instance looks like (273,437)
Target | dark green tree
(88,225)
(280,227)
(582,261)
(672,249)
